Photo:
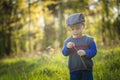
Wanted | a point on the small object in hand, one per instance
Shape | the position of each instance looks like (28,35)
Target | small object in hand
(81,52)
(70,45)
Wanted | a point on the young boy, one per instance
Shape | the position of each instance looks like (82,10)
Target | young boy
(80,48)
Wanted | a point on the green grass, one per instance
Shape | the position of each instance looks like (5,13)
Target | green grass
(54,67)
(107,64)
(51,67)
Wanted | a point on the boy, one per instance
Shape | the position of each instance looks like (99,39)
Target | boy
(80,48)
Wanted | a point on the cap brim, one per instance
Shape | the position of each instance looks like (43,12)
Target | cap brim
(75,25)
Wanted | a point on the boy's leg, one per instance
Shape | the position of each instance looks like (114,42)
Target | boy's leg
(87,75)
(75,76)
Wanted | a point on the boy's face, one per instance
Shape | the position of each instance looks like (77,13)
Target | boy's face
(77,30)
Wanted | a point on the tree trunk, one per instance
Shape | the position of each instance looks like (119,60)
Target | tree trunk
(60,25)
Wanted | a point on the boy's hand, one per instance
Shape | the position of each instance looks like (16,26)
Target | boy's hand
(70,45)
(81,52)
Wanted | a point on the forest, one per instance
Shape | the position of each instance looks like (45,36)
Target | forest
(32,33)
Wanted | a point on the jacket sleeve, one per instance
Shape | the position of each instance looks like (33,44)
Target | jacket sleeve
(91,52)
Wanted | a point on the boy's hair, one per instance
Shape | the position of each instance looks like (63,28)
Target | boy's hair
(75,19)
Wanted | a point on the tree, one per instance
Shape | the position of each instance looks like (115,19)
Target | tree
(7,18)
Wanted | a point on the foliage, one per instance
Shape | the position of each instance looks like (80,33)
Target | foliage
(54,67)
(42,67)
(108,66)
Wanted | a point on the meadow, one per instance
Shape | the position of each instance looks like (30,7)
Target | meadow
(54,66)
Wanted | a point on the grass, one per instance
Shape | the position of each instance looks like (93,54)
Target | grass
(107,65)
(54,67)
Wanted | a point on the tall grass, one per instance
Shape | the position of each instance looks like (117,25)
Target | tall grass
(107,64)
(49,67)
(54,67)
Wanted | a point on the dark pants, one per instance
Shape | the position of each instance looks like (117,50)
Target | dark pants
(81,75)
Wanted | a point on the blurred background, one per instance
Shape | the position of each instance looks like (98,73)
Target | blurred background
(38,27)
